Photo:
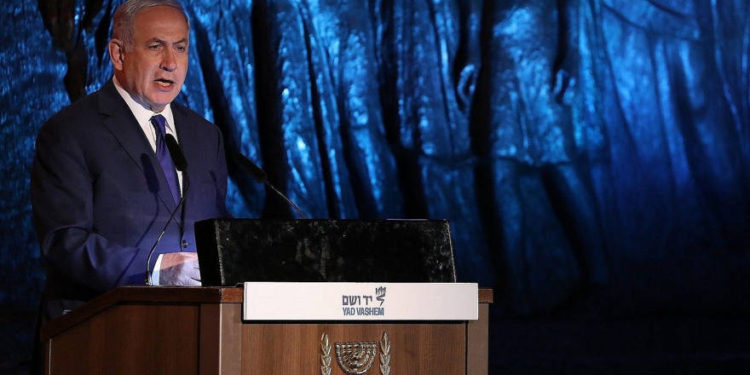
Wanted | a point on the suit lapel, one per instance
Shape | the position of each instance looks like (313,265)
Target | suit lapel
(186,136)
(185,132)
(119,120)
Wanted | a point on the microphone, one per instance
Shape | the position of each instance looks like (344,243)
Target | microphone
(178,158)
(259,175)
(180,163)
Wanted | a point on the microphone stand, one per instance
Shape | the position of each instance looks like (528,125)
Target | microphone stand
(259,175)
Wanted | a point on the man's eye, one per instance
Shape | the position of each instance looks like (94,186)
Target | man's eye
(153,46)
(181,48)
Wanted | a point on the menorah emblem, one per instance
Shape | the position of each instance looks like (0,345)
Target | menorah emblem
(356,358)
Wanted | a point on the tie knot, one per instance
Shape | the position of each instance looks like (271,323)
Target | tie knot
(160,123)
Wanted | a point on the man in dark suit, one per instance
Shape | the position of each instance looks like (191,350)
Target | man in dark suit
(103,182)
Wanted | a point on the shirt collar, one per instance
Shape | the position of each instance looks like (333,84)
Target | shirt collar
(142,114)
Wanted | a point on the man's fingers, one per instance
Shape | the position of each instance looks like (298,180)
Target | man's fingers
(182,268)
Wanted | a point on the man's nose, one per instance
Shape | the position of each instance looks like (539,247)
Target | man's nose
(169,60)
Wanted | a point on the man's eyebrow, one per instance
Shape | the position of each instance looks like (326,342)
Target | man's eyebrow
(155,40)
(161,41)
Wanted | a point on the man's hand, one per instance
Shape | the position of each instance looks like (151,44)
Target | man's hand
(180,269)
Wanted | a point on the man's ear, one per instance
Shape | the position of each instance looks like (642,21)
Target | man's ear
(117,53)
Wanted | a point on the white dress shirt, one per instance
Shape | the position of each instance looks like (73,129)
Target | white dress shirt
(143,116)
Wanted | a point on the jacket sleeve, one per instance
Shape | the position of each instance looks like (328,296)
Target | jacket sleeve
(62,196)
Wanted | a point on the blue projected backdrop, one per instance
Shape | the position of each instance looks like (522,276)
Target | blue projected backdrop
(578,148)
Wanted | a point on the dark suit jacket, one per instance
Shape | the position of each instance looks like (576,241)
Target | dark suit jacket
(100,199)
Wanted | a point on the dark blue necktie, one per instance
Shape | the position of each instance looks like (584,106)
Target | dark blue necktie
(165,160)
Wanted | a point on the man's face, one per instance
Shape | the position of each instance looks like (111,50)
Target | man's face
(153,69)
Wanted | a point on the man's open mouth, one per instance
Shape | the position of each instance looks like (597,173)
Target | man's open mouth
(164,82)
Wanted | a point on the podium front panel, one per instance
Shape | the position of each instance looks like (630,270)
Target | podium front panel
(435,348)
(173,330)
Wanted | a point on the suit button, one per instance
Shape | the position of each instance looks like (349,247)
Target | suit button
(185,244)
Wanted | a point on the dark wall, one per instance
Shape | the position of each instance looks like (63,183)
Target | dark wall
(590,154)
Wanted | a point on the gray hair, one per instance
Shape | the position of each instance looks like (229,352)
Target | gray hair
(124,18)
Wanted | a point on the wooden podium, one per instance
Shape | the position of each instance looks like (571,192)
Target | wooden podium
(199,330)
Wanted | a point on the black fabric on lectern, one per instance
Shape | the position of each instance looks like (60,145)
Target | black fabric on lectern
(232,251)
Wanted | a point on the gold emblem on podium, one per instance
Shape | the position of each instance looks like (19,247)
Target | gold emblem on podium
(325,355)
(356,358)
(385,355)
